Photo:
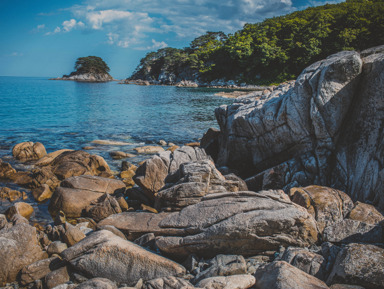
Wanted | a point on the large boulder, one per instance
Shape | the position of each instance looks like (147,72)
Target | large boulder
(27,151)
(281,275)
(103,254)
(359,264)
(324,130)
(326,205)
(6,170)
(245,223)
(366,213)
(39,269)
(75,194)
(19,247)
(151,175)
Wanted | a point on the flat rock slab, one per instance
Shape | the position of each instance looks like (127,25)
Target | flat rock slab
(243,223)
(103,254)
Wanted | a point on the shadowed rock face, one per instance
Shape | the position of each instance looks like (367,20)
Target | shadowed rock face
(324,130)
(245,223)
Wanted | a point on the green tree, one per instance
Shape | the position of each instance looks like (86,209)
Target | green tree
(91,64)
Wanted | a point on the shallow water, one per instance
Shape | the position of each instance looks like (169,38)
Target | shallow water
(66,114)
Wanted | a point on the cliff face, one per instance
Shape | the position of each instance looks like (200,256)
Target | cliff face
(87,77)
(326,129)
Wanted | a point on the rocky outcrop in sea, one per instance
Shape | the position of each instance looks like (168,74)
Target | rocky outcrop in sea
(186,218)
(86,77)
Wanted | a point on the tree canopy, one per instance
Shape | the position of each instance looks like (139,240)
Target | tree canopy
(276,49)
(91,64)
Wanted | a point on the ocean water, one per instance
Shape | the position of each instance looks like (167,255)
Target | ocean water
(66,114)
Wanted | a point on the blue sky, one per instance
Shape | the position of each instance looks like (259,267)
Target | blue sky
(45,37)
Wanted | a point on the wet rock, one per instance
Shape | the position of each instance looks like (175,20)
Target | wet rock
(27,151)
(326,205)
(57,277)
(19,248)
(350,231)
(149,149)
(97,283)
(223,265)
(359,264)
(103,254)
(103,207)
(11,195)
(77,193)
(6,170)
(281,275)
(118,155)
(39,270)
(56,247)
(167,283)
(245,223)
(309,262)
(136,224)
(42,193)
(365,213)
(228,282)
(21,208)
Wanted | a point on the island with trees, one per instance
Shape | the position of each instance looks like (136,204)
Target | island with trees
(89,69)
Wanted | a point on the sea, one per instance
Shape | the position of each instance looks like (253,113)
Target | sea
(71,115)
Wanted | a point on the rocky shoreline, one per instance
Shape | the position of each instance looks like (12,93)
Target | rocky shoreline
(286,195)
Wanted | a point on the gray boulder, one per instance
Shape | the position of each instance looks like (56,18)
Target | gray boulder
(97,283)
(245,223)
(228,282)
(103,254)
(167,283)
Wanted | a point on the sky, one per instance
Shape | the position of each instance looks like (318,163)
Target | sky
(43,38)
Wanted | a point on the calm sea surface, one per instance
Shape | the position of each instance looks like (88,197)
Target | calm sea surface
(66,114)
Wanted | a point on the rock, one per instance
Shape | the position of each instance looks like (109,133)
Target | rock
(223,265)
(167,283)
(210,142)
(365,213)
(149,149)
(21,208)
(309,262)
(281,275)
(39,269)
(19,248)
(72,235)
(147,240)
(150,176)
(111,142)
(345,286)
(244,223)
(326,205)
(136,224)
(77,193)
(324,130)
(49,158)
(103,254)
(6,170)
(42,193)
(56,247)
(162,142)
(103,207)
(97,283)
(349,231)
(359,264)
(11,195)
(118,155)
(229,282)
(242,185)
(172,148)
(87,77)
(193,144)
(27,151)
(57,277)
(3,221)
(114,230)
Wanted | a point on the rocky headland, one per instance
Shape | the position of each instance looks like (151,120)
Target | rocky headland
(286,195)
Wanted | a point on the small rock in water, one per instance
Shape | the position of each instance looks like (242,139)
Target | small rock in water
(193,144)
(11,195)
(149,149)
(162,142)
(21,208)
(111,142)
(120,155)
(42,193)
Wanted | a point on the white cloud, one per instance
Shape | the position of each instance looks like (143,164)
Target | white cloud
(67,26)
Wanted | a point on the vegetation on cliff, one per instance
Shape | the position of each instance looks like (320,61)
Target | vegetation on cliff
(274,50)
(90,65)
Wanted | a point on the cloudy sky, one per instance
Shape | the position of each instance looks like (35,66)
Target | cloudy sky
(45,37)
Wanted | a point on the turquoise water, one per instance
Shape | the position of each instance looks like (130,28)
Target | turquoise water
(66,114)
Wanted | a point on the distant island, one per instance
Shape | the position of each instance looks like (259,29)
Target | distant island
(269,52)
(89,69)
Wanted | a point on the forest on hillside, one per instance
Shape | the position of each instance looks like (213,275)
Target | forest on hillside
(274,50)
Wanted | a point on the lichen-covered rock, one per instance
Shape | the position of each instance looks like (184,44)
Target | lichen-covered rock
(103,254)
(19,247)
(365,213)
(281,275)
(359,264)
(245,223)
(227,282)
(75,194)
(27,151)
(325,130)
(326,205)
(49,158)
